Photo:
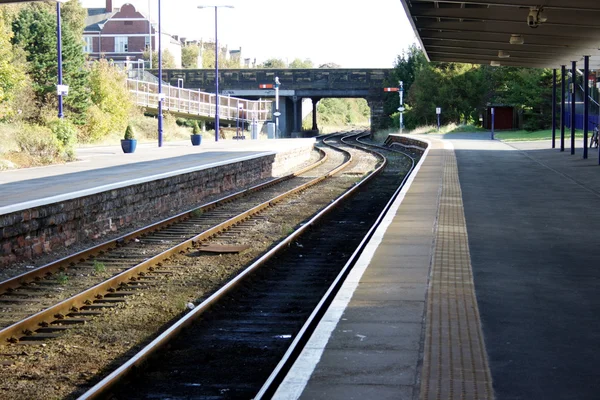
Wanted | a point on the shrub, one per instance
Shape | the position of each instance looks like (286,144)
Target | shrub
(40,143)
(66,134)
(98,127)
(129,133)
(196,128)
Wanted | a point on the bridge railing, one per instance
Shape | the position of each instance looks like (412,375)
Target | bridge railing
(195,102)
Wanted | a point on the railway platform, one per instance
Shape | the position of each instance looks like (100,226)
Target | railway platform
(102,168)
(480,283)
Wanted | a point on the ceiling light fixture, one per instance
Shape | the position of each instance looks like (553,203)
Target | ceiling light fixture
(495,63)
(503,54)
(516,39)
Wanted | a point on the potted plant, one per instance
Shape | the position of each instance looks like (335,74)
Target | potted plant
(196,136)
(128,143)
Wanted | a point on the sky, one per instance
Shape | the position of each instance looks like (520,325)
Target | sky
(351,33)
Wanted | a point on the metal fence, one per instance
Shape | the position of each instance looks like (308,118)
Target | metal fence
(197,103)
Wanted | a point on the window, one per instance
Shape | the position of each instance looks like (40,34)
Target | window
(121,44)
(88,46)
(147,42)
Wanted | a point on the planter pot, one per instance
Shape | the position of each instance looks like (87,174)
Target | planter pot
(196,139)
(128,145)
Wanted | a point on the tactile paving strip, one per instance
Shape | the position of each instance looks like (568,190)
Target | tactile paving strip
(455,364)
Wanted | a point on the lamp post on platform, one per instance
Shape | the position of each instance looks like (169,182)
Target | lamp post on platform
(161,95)
(61,90)
(276,113)
(216,70)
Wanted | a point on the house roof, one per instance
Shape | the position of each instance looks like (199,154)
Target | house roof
(475,31)
(96,16)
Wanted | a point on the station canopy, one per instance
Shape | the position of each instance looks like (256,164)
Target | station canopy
(529,33)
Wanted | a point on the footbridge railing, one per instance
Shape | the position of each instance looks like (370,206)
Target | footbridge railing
(197,103)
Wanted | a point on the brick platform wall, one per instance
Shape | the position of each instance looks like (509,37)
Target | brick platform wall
(414,144)
(27,234)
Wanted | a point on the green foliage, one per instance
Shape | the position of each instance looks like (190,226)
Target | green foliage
(129,133)
(298,63)
(99,267)
(273,63)
(340,112)
(208,58)
(196,128)
(62,278)
(66,134)
(35,31)
(189,56)
(112,102)
(463,91)
(12,75)
(40,143)
(168,61)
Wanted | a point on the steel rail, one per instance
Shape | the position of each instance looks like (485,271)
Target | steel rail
(103,387)
(71,260)
(297,345)
(97,292)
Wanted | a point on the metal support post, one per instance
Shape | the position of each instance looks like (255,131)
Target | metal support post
(160,93)
(554,108)
(401,109)
(277,113)
(563,77)
(59,51)
(493,117)
(217,128)
(586,103)
(573,103)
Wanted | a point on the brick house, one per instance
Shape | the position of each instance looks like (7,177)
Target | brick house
(122,34)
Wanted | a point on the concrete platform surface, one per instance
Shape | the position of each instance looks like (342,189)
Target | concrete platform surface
(504,304)
(106,167)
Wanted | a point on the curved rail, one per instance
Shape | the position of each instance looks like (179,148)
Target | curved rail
(73,304)
(308,328)
(104,386)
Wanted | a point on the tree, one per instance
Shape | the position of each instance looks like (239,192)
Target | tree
(189,56)
(273,63)
(298,63)
(35,31)
(12,75)
(168,61)
(112,101)
(330,65)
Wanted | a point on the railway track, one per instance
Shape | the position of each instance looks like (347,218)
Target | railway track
(252,328)
(42,303)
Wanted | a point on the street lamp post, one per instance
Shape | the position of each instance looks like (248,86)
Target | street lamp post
(277,113)
(61,89)
(216,71)
(160,93)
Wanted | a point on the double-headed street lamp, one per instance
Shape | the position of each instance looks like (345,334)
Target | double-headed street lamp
(216,71)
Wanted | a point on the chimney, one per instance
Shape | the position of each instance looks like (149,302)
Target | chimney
(109,6)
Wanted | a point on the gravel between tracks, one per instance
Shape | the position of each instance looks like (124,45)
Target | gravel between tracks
(64,367)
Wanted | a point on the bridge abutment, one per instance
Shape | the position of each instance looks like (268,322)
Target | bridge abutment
(315,101)
(377,114)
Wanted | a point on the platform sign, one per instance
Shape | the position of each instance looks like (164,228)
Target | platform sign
(391,89)
(62,90)
(438,110)
(266,86)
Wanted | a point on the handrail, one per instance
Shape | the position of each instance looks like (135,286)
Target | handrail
(195,102)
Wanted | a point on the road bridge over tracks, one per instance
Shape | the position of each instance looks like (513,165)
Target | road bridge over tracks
(296,84)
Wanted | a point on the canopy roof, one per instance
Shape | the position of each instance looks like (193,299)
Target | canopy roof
(476,31)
